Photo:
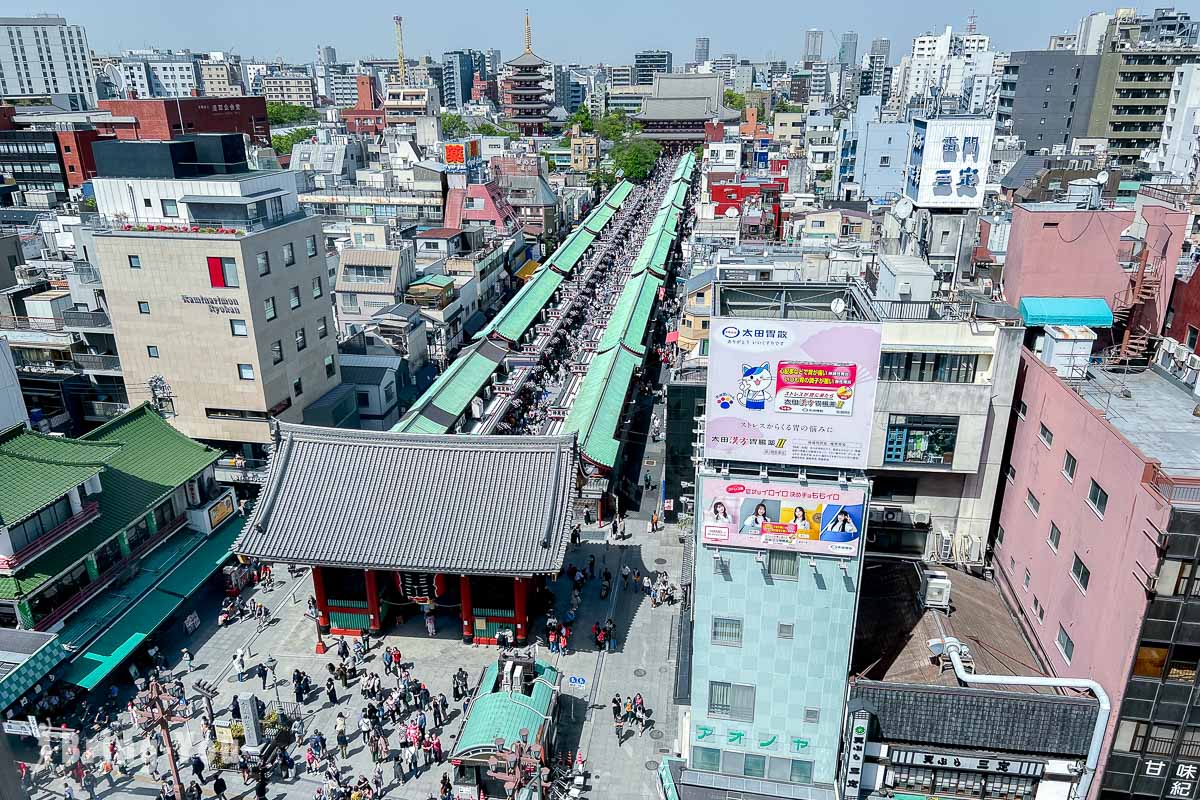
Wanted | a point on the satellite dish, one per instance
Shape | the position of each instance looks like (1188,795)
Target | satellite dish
(1102,177)
(903,208)
(838,306)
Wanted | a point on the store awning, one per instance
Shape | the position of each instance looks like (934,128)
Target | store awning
(1091,311)
(527,269)
(672,337)
(132,628)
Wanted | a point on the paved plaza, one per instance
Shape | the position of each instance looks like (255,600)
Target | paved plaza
(641,662)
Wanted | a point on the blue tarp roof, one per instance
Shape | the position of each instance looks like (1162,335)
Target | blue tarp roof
(1091,311)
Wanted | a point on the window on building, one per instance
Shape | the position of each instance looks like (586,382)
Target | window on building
(727,631)
(921,439)
(143,307)
(1097,498)
(317,289)
(928,367)
(264,263)
(364,399)
(1069,466)
(269,308)
(731,701)
(1034,504)
(289,254)
(222,273)
(330,367)
(1189,747)
(897,488)
(1045,434)
(389,392)
(322,327)
(1192,336)
(812,715)
(755,767)
(135,262)
(301,340)
(170,208)
(1065,645)
(294,297)
(1022,410)
(1025,580)
(885,161)
(1010,472)
(246,372)
(297,387)
(237,327)
(310,245)
(786,630)
(783,564)
(1054,537)
(152,350)
(707,759)
(999,535)
(1080,572)
(1155,738)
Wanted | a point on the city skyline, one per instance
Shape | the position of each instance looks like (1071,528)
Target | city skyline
(267,34)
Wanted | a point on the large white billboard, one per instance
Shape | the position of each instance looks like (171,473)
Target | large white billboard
(954,160)
(793,391)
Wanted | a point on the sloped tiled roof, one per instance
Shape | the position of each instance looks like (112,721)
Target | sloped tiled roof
(395,501)
(36,469)
(149,460)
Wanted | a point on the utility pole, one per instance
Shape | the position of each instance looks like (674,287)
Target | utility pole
(519,765)
(150,711)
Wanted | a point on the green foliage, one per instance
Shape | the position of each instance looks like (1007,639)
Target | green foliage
(454,126)
(635,157)
(784,107)
(735,100)
(288,114)
(603,179)
(583,118)
(614,126)
(283,144)
(488,129)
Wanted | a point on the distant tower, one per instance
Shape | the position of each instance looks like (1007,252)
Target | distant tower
(526,96)
(401,66)
(814,40)
(701,49)
(972,20)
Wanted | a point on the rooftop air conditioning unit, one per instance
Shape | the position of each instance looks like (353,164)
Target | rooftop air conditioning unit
(892,514)
(937,590)
(1169,345)
(945,546)
(920,516)
(1193,361)
(875,515)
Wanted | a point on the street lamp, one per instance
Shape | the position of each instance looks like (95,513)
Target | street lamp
(270,664)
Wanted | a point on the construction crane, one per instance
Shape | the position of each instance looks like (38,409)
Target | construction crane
(402,68)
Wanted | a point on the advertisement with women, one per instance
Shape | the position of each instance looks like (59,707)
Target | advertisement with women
(819,519)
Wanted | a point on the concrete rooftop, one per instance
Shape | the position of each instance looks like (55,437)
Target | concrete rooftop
(1153,412)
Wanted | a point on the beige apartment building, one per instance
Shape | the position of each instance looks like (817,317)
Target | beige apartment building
(300,90)
(221,79)
(221,292)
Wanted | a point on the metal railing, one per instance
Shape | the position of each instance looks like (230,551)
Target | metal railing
(1177,489)
(174,225)
(103,409)
(10,323)
(923,309)
(86,361)
(86,319)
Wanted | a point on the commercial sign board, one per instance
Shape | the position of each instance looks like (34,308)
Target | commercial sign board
(974,763)
(220,511)
(856,754)
(950,163)
(796,391)
(814,518)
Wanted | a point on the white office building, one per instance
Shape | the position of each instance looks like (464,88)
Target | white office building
(161,73)
(1178,151)
(45,60)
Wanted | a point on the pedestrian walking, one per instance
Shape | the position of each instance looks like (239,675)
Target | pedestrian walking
(620,730)
(625,573)
(239,663)
(616,706)
(330,691)
(89,784)
(622,536)
(646,584)
(646,480)
(654,521)
(343,743)
(219,787)
(187,660)
(430,625)
(553,639)
(262,673)
(198,768)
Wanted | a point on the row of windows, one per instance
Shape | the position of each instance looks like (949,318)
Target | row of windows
(928,367)
(1097,497)
(727,631)
(1079,572)
(750,765)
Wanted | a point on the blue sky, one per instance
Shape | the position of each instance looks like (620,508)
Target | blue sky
(610,30)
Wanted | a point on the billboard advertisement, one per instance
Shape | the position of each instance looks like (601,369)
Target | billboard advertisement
(791,391)
(818,519)
(954,157)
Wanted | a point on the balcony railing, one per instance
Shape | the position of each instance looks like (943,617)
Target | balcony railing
(86,319)
(87,513)
(1177,489)
(100,409)
(88,361)
(10,323)
(210,227)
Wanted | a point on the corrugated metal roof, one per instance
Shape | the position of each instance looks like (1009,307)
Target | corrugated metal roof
(395,501)
(1091,311)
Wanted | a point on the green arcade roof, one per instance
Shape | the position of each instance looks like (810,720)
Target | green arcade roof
(1091,311)
(522,310)
(631,314)
(496,714)
(445,401)
(595,414)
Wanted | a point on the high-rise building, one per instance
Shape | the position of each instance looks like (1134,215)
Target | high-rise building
(882,47)
(161,73)
(494,63)
(1063,41)
(1178,151)
(701,55)
(1045,97)
(848,49)
(45,60)
(619,75)
(649,63)
(814,39)
(326,54)
(458,73)
(217,283)
(1090,33)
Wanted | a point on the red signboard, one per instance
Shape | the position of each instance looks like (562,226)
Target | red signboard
(455,154)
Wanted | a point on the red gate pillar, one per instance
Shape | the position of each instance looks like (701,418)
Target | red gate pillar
(520,592)
(468,614)
(318,579)
(373,619)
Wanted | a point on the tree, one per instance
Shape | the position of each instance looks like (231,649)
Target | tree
(289,114)
(614,126)
(784,107)
(283,144)
(635,157)
(488,129)
(583,118)
(454,126)
(735,100)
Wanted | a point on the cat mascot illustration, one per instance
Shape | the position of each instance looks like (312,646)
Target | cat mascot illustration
(753,387)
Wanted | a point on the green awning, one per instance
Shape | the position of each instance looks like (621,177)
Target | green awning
(117,643)
(209,557)
(1091,311)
